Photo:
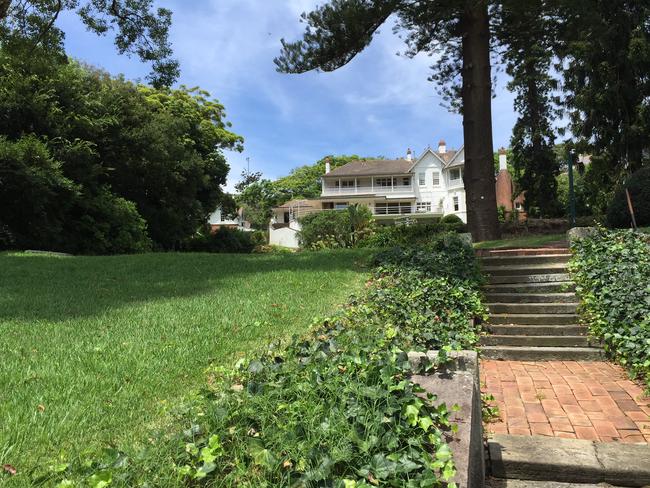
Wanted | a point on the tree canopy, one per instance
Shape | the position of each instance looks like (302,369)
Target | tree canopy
(91,163)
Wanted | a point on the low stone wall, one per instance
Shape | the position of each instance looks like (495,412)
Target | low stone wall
(457,383)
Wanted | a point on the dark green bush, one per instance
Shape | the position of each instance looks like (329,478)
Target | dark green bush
(335,228)
(618,214)
(451,219)
(612,272)
(225,240)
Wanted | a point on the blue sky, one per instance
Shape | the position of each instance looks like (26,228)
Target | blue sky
(380,104)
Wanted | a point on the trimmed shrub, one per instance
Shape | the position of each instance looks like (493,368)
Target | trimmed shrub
(451,219)
(225,240)
(612,272)
(410,235)
(618,214)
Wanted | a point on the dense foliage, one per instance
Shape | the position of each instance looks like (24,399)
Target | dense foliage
(612,271)
(332,229)
(638,185)
(85,157)
(224,240)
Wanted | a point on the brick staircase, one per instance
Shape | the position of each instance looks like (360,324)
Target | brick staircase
(532,305)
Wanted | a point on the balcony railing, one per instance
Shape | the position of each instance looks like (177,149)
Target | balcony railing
(406,210)
(376,189)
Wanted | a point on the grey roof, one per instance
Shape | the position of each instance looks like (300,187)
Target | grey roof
(373,167)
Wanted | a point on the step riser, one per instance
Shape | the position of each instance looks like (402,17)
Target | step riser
(542,354)
(561,287)
(542,308)
(537,330)
(517,271)
(536,341)
(536,278)
(524,260)
(521,252)
(531,297)
(533,319)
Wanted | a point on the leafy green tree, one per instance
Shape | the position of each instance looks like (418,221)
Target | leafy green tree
(139,28)
(248,178)
(459,31)
(605,51)
(526,31)
(258,199)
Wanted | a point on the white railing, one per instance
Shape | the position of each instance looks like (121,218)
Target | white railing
(379,190)
(381,211)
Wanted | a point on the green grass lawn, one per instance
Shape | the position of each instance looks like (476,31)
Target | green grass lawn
(524,241)
(95,349)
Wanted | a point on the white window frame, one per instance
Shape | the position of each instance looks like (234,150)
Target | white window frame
(422,178)
(436,179)
(423,207)
(341,205)
(451,174)
(384,182)
(456,204)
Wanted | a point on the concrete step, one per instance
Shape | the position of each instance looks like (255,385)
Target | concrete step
(534,353)
(505,483)
(554,459)
(535,340)
(533,319)
(535,259)
(527,251)
(531,278)
(557,287)
(537,330)
(525,269)
(530,308)
(531,297)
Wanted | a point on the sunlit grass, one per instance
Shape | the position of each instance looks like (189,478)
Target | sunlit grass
(94,349)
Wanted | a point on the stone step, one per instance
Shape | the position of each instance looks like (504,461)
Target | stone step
(557,287)
(535,340)
(531,308)
(505,483)
(533,319)
(535,259)
(532,278)
(527,251)
(537,330)
(554,459)
(525,269)
(535,353)
(531,297)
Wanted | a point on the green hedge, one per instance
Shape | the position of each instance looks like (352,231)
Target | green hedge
(411,235)
(337,408)
(612,272)
(224,240)
(331,229)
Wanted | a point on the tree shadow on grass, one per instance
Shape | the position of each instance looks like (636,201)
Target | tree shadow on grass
(37,287)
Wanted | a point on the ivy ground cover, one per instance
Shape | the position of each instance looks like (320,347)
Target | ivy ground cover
(612,272)
(97,352)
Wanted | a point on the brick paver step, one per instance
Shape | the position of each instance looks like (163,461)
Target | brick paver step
(537,330)
(524,269)
(536,340)
(566,297)
(525,260)
(533,319)
(556,287)
(534,353)
(530,278)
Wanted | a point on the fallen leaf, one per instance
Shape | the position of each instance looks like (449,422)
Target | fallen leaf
(41,408)
(8,468)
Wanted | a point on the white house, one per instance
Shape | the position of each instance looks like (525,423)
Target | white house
(217,220)
(420,188)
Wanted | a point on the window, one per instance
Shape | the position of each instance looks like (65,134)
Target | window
(456,204)
(423,207)
(519,206)
(341,206)
(454,175)
(406,181)
(383,182)
(436,178)
(422,179)
(346,184)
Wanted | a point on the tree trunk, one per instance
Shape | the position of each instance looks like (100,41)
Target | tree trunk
(4,8)
(479,177)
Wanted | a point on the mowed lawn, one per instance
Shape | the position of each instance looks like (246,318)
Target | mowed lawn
(93,350)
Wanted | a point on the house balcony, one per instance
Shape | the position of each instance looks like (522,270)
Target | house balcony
(401,190)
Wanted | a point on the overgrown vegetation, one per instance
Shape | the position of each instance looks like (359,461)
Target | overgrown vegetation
(331,229)
(638,185)
(612,272)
